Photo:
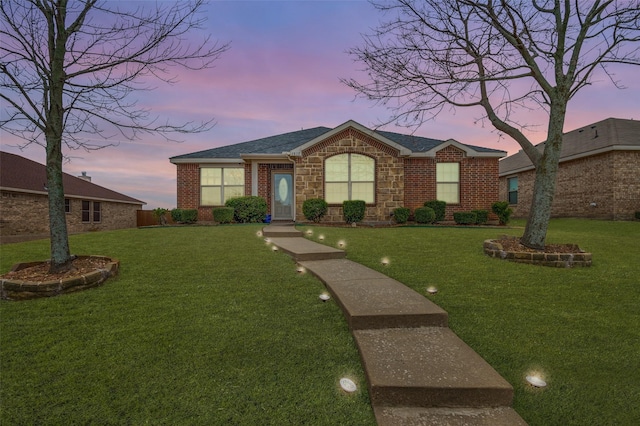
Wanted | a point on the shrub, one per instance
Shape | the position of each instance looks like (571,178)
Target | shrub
(424,215)
(482,216)
(439,208)
(223,214)
(401,214)
(159,214)
(176,215)
(249,209)
(314,208)
(465,218)
(189,216)
(502,210)
(353,210)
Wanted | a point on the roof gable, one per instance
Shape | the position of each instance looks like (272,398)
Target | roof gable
(20,174)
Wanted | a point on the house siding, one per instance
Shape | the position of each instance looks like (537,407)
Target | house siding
(27,214)
(610,180)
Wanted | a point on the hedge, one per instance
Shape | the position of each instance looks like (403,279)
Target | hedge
(424,215)
(439,208)
(353,210)
(401,214)
(314,209)
(249,209)
(223,214)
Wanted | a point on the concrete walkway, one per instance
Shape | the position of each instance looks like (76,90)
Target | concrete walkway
(418,371)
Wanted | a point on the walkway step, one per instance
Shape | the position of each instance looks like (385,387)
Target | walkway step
(301,249)
(281,231)
(371,300)
(417,416)
(428,367)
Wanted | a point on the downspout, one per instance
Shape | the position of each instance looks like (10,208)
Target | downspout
(295,193)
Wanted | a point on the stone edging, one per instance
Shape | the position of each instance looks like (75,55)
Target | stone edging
(557,260)
(24,290)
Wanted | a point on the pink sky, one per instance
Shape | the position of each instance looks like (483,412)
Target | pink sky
(282,74)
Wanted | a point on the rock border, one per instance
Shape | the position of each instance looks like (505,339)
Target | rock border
(555,260)
(25,290)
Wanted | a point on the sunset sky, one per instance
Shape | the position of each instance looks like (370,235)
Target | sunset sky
(282,74)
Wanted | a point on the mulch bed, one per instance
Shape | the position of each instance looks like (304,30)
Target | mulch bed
(40,272)
(513,244)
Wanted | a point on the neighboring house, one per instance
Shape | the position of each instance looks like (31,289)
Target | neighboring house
(24,206)
(350,162)
(598,175)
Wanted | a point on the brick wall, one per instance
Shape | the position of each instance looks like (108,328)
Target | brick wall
(610,180)
(28,214)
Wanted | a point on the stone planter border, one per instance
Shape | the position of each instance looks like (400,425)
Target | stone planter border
(557,260)
(24,290)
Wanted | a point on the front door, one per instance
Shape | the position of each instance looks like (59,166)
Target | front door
(282,197)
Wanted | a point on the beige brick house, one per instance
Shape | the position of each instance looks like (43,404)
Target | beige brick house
(350,162)
(89,207)
(598,177)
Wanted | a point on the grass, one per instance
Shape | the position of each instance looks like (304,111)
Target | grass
(208,326)
(579,327)
(204,325)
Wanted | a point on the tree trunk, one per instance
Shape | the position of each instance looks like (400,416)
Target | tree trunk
(544,187)
(60,253)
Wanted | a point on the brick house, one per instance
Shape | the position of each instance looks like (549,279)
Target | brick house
(24,202)
(598,175)
(386,170)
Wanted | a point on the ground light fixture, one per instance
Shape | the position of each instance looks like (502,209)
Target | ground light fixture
(324,297)
(259,233)
(432,290)
(267,241)
(309,232)
(274,248)
(300,270)
(348,385)
(536,381)
(321,237)
(342,243)
(385,261)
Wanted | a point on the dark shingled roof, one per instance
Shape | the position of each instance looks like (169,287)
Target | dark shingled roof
(288,141)
(22,174)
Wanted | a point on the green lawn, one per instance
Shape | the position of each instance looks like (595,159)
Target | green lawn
(579,327)
(205,325)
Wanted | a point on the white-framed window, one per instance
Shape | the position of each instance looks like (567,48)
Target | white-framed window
(349,177)
(218,184)
(448,182)
(513,190)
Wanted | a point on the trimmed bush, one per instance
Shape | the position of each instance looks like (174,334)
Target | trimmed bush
(465,218)
(401,214)
(223,214)
(502,210)
(439,208)
(424,215)
(314,209)
(249,209)
(482,216)
(353,210)
(184,215)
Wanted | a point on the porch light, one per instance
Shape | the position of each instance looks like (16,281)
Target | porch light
(385,261)
(348,385)
(536,381)
(342,243)
(324,297)
(321,237)
(432,290)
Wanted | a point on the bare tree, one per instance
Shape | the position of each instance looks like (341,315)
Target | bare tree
(503,57)
(69,68)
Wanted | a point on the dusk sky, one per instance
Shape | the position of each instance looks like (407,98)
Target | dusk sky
(282,74)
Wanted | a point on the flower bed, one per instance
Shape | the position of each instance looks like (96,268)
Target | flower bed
(558,256)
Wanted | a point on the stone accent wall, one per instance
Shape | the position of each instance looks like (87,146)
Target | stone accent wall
(28,214)
(610,180)
(389,175)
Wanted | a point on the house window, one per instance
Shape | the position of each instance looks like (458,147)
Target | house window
(67,205)
(97,211)
(349,177)
(448,182)
(86,211)
(513,190)
(217,185)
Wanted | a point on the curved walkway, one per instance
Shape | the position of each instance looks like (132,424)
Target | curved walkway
(418,371)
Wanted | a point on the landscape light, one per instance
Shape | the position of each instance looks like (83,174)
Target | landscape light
(385,261)
(535,380)
(341,243)
(432,290)
(348,385)
(324,297)
(274,248)
(300,270)
(309,232)
(267,240)
(321,237)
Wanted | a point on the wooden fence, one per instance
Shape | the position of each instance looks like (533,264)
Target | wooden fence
(146,218)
